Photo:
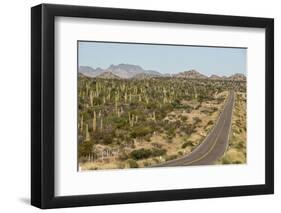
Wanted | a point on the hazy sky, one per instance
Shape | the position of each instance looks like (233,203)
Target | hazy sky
(164,58)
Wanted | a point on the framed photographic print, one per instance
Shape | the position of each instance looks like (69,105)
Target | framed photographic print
(140,106)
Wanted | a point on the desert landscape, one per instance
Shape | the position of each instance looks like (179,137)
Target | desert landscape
(129,117)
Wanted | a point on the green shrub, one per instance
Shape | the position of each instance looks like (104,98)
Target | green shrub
(140,154)
(171,132)
(226,160)
(158,152)
(180,153)
(186,144)
(140,131)
(177,104)
(146,163)
(85,148)
(183,118)
(93,168)
(132,163)
(210,123)
(107,139)
(120,122)
(188,129)
(196,120)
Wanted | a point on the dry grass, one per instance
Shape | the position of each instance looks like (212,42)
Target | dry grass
(180,144)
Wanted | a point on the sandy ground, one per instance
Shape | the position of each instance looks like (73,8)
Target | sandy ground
(174,147)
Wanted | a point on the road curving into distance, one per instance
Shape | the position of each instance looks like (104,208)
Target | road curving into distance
(214,145)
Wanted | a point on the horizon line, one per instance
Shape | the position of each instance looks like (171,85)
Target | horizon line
(186,70)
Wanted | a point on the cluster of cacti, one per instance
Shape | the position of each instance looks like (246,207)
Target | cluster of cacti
(116,110)
(133,119)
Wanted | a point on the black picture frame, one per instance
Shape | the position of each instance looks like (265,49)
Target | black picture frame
(43,102)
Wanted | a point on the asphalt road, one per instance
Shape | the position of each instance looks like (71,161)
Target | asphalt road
(215,143)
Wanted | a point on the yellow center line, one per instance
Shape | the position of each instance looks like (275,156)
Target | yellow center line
(208,152)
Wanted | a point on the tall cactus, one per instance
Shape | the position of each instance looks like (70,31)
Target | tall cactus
(146,99)
(87,89)
(91,98)
(101,124)
(97,89)
(81,123)
(195,93)
(116,105)
(118,112)
(108,96)
(153,116)
(131,120)
(130,97)
(125,97)
(87,136)
(94,122)
(165,96)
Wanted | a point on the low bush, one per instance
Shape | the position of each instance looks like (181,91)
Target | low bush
(210,123)
(226,160)
(196,120)
(158,152)
(183,118)
(186,144)
(146,153)
(140,154)
(156,160)
(146,163)
(132,163)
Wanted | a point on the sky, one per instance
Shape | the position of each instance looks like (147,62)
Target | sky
(169,59)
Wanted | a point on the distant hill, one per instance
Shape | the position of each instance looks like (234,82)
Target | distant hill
(122,70)
(193,74)
(224,77)
(215,77)
(127,71)
(108,75)
(89,71)
(237,77)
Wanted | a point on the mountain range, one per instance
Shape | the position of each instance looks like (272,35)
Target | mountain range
(122,70)
(128,71)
